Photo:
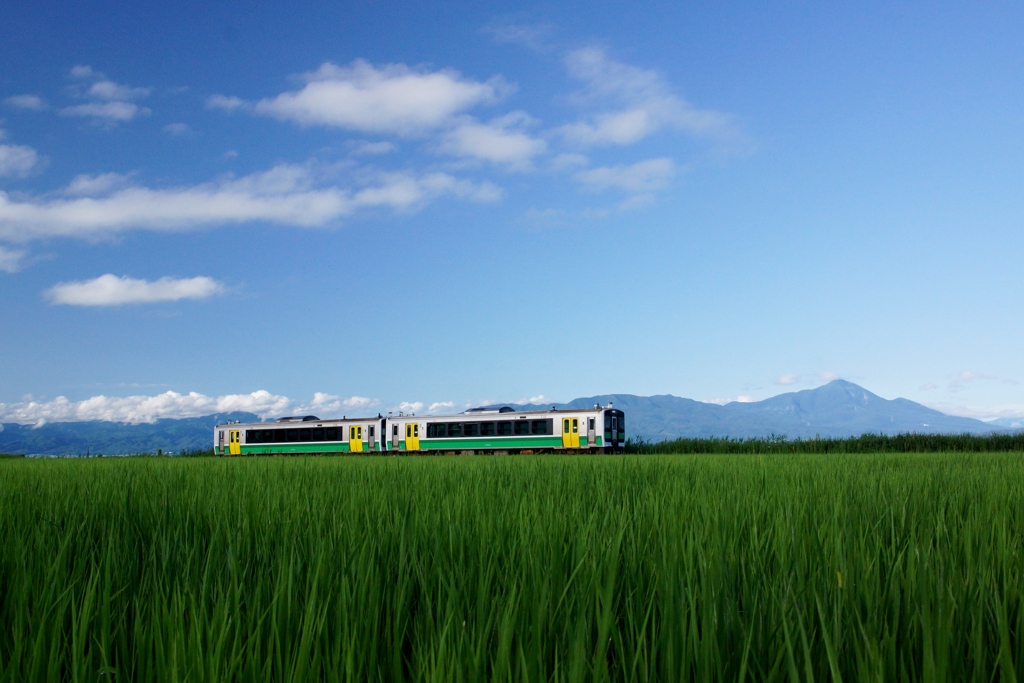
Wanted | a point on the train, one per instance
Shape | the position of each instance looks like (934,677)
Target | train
(494,430)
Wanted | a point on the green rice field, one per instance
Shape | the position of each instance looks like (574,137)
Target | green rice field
(875,567)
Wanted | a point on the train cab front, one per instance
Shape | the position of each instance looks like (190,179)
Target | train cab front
(614,430)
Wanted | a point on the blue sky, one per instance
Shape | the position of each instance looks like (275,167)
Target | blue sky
(349,208)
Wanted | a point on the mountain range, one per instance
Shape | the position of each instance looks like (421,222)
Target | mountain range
(837,409)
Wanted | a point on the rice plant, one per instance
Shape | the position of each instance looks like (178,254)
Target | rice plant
(634,568)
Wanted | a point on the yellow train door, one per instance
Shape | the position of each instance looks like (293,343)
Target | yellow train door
(575,432)
(234,447)
(412,436)
(566,433)
(355,439)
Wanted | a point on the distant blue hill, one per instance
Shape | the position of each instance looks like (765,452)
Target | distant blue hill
(837,409)
(115,438)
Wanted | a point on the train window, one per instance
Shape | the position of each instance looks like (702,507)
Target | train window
(370,433)
(280,436)
(539,427)
(521,427)
(304,434)
(293,434)
(454,429)
(318,434)
(471,429)
(590,424)
(331,434)
(250,436)
(565,426)
(486,429)
(435,430)
(503,428)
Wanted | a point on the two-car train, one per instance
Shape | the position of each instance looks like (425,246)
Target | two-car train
(600,429)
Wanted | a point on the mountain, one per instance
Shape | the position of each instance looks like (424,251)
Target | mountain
(115,438)
(837,409)
(1006,423)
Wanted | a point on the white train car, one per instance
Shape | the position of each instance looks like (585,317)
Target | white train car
(499,430)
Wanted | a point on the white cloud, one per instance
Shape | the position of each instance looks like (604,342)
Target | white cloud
(374,148)
(84,71)
(329,404)
(10,259)
(441,407)
(85,185)
(409,407)
(539,399)
(286,194)
(110,112)
(643,176)
(643,104)
(110,290)
(27,102)
(390,99)
(742,398)
(18,161)
(964,378)
(178,129)
(502,141)
(788,379)
(108,90)
(170,404)
(225,103)
(928,386)
(828,376)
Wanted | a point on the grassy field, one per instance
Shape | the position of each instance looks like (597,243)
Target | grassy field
(725,567)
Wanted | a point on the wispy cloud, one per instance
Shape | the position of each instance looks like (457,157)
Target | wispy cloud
(643,176)
(286,194)
(10,259)
(964,379)
(27,102)
(112,101)
(373,148)
(502,141)
(178,129)
(18,161)
(85,185)
(535,36)
(641,102)
(789,379)
(108,90)
(110,290)
(393,98)
(171,404)
(226,103)
(115,112)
